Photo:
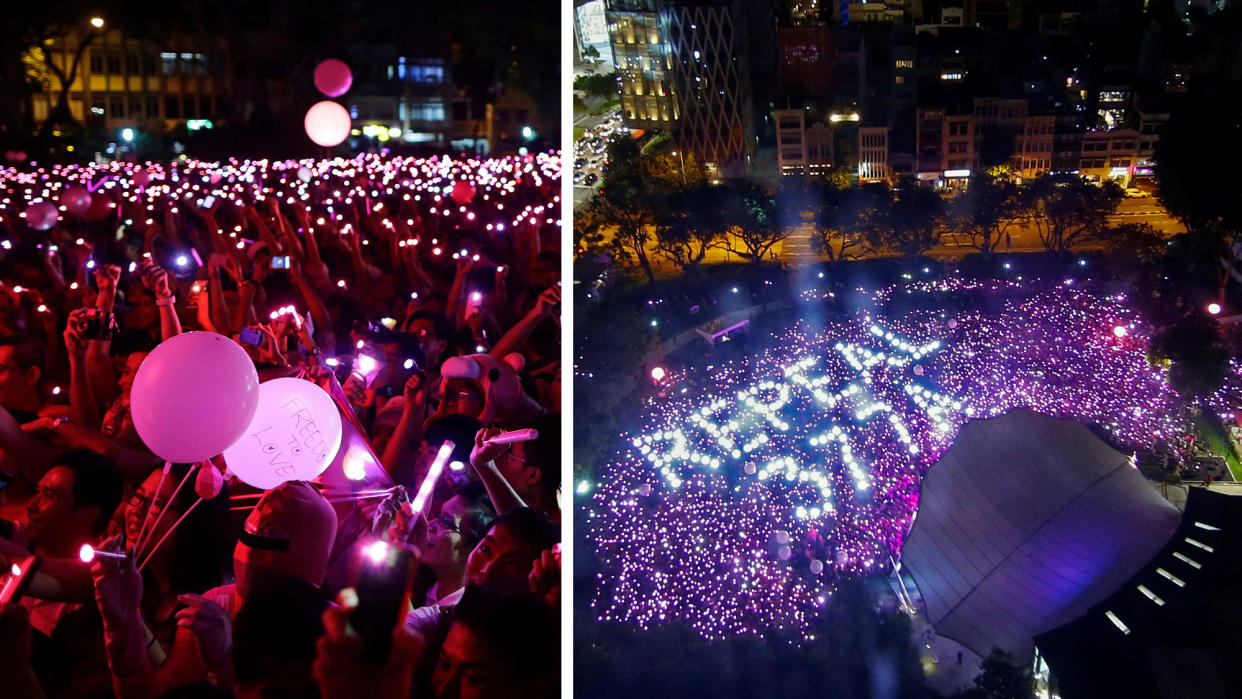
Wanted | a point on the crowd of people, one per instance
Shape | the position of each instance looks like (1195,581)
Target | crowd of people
(422,294)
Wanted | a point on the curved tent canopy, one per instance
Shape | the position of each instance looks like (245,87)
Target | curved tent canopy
(1024,524)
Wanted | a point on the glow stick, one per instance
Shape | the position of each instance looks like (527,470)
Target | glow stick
(88,553)
(433,474)
(167,534)
(515,436)
(193,469)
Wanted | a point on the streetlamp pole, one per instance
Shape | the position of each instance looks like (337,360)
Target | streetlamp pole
(681,159)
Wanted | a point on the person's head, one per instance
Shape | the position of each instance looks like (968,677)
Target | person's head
(432,331)
(144,314)
(545,270)
(498,646)
(23,360)
(128,369)
(289,534)
(274,637)
(74,501)
(196,555)
(403,355)
(463,397)
(460,526)
(502,561)
(533,468)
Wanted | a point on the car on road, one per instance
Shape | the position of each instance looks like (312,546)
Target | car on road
(591,179)
(1136,193)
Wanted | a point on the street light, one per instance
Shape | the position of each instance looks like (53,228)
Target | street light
(97,22)
(127,134)
(681,159)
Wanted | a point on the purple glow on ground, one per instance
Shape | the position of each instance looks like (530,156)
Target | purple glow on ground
(737,505)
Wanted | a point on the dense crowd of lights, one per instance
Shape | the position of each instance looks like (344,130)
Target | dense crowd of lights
(421,184)
(752,487)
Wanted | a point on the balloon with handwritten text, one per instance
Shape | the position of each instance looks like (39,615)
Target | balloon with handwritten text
(294,435)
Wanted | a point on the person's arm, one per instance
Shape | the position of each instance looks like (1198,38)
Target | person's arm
(326,340)
(218,307)
(57,580)
(134,464)
(15,650)
(98,352)
(28,454)
(454,305)
(82,405)
(409,428)
(547,306)
(156,279)
(482,459)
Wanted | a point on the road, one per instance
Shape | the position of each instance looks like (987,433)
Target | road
(796,249)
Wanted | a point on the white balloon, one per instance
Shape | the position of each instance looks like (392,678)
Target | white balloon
(294,435)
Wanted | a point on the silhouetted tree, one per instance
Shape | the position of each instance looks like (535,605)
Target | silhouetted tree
(984,212)
(1068,212)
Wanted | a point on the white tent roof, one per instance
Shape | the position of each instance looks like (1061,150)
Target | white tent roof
(1023,524)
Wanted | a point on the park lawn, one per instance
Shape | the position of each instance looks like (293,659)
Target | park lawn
(1218,443)
(579,132)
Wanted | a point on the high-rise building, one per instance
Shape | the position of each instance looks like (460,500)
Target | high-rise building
(683,67)
(643,56)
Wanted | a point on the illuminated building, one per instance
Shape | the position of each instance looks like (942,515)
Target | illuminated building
(127,83)
(873,154)
(591,32)
(802,148)
(1033,146)
(1109,155)
(643,57)
(683,68)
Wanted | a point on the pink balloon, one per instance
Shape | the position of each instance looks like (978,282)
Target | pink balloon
(295,434)
(193,396)
(141,178)
(77,200)
(463,192)
(100,207)
(327,123)
(41,216)
(208,482)
(333,78)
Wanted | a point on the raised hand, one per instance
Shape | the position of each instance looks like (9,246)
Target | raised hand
(107,277)
(75,344)
(484,452)
(545,576)
(549,303)
(212,627)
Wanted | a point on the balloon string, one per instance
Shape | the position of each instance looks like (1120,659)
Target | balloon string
(322,491)
(168,533)
(343,498)
(191,472)
(151,503)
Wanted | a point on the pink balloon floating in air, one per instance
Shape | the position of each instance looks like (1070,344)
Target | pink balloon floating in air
(333,77)
(41,216)
(327,123)
(463,192)
(76,200)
